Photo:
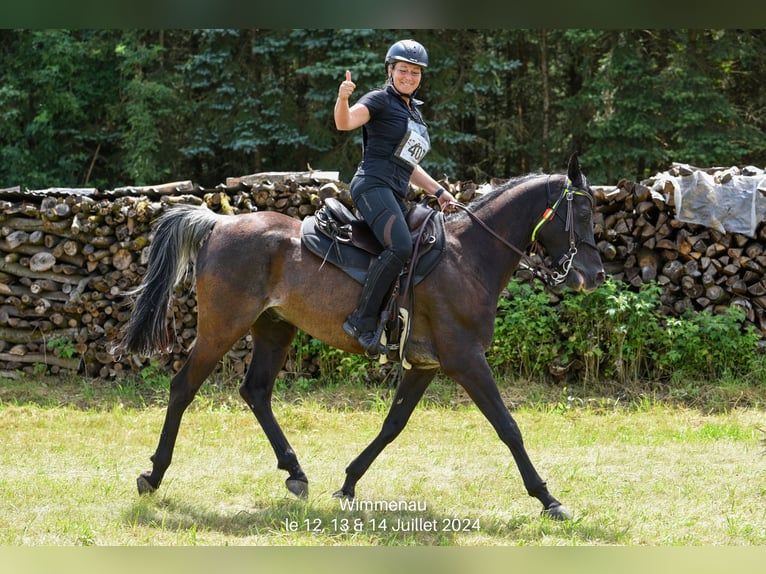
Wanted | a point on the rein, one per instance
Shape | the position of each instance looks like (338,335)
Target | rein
(502,240)
(565,262)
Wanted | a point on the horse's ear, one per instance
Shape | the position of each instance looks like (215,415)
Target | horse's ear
(573,172)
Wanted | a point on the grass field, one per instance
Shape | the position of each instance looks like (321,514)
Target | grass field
(644,474)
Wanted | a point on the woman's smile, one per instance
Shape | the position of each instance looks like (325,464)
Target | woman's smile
(406,78)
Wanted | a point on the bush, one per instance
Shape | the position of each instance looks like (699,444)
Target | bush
(527,332)
(618,334)
(332,366)
(711,345)
(611,330)
(612,334)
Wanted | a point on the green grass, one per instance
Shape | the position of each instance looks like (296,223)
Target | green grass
(643,473)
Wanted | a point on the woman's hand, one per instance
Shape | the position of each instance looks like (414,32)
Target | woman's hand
(346,88)
(349,118)
(445,199)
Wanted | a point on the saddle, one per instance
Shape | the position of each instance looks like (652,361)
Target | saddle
(342,239)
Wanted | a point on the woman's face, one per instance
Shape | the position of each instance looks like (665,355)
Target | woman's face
(406,77)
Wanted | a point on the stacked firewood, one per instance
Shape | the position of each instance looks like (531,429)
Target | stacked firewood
(69,258)
(699,268)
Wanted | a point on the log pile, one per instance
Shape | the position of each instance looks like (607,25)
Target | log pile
(68,257)
(698,268)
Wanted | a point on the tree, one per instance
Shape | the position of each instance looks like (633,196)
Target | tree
(147,112)
(53,121)
(107,108)
(655,98)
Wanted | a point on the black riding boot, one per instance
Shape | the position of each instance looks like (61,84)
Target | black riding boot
(362,324)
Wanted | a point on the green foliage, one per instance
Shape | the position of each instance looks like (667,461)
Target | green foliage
(107,108)
(614,334)
(63,347)
(153,376)
(710,345)
(343,368)
(526,332)
(625,99)
(660,97)
(54,105)
(149,104)
(335,367)
(609,330)
(618,334)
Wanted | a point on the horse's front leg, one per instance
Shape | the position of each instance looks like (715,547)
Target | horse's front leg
(475,376)
(409,391)
(271,343)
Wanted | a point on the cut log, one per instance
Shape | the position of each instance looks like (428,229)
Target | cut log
(42,261)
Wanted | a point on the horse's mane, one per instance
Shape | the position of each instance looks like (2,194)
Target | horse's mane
(487,197)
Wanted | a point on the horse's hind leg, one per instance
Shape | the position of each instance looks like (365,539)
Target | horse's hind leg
(220,323)
(271,341)
(409,391)
(183,387)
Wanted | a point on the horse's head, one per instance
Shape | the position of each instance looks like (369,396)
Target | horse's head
(566,231)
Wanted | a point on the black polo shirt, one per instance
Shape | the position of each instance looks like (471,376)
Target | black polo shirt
(390,120)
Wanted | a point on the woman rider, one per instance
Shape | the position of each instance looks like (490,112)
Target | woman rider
(395,140)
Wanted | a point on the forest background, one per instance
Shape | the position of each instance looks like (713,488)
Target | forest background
(111,108)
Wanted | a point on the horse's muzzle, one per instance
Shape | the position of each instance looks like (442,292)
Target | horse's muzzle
(577,281)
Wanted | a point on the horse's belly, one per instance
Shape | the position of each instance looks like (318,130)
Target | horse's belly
(422,355)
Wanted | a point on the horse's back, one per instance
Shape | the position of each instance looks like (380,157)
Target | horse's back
(249,235)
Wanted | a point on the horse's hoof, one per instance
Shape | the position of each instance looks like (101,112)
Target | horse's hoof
(342,494)
(143,486)
(557,512)
(299,488)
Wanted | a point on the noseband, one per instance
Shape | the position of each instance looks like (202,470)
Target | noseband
(564,264)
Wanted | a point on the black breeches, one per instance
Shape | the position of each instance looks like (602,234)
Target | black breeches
(384,212)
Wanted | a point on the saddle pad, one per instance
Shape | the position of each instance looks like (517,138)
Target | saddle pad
(355,262)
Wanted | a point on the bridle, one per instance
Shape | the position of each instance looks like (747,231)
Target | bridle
(565,261)
(564,264)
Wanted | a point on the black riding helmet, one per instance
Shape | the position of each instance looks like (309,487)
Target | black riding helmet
(408,51)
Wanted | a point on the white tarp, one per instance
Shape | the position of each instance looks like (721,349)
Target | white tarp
(737,205)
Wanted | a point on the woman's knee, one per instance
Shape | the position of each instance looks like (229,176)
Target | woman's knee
(402,250)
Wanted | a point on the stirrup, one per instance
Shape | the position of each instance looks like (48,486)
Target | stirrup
(378,335)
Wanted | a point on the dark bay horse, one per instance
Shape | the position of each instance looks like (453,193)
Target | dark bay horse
(252,273)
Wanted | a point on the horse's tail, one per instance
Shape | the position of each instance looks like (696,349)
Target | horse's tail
(179,235)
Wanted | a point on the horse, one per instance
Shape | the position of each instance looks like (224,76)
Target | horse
(253,273)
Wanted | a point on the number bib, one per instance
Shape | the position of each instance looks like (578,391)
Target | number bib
(415,144)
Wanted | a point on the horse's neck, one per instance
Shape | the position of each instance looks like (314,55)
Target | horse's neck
(512,215)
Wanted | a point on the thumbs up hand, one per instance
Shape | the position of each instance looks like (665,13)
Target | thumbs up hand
(347,87)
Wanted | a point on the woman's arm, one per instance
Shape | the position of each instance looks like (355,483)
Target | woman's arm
(421,179)
(349,118)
